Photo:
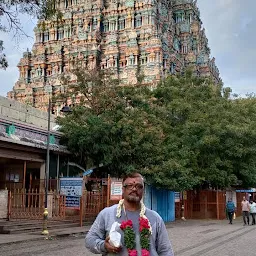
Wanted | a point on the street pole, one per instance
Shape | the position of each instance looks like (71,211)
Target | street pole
(182,207)
(68,170)
(45,214)
(58,173)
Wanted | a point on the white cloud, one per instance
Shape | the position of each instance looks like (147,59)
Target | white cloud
(14,48)
(231,32)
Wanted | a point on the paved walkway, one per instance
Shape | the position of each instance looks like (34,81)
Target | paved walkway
(197,238)
(189,230)
(190,238)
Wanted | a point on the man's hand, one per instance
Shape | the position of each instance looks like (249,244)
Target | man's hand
(110,248)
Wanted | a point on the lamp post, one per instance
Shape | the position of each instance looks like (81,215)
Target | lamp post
(65,109)
(182,206)
(45,231)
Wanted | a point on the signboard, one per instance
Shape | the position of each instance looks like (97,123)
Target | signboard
(252,190)
(116,190)
(16,178)
(73,202)
(177,197)
(72,189)
(185,195)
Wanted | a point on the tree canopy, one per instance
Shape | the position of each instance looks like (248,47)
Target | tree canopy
(113,125)
(186,133)
(3,61)
(211,135)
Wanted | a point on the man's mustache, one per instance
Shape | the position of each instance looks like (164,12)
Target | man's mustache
(134,193)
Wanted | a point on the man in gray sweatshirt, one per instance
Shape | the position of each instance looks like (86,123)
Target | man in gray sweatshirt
(130,208)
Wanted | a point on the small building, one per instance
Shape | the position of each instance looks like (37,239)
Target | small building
(23,148)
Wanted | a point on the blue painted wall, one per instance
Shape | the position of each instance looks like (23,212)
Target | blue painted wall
(161,201)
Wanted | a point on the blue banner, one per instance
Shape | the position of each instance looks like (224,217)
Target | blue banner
(72,189)
(246,190)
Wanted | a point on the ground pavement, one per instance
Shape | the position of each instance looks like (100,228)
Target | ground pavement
(190,238)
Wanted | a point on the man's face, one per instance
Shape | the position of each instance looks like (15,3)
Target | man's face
(244,198)
(133,189)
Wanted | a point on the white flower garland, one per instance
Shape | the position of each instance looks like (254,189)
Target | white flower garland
(142,212)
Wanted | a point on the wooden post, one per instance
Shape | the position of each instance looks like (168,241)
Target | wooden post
(101,197)
(218,207)
(24,174)
(24,183)
(58,171)
(30,181)
(81,211)
(9,205)
(108,191)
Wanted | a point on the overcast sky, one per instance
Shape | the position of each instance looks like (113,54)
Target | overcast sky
(230,27)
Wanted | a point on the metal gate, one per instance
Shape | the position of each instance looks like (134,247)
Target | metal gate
(92,203)
(29,204)
(205,204)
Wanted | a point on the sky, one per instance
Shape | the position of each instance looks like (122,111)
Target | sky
(230,28)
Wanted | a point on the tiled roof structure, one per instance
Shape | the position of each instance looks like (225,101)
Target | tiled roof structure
(26,135)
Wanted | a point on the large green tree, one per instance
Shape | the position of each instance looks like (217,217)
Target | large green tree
(186,133)
(211,135)
(113,125)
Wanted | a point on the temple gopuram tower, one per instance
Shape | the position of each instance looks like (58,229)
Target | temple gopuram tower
(151,38)
(190,45)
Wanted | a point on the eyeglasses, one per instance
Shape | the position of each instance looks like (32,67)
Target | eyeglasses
(138,186)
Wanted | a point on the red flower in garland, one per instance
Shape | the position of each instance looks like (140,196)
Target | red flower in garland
(145,252)
(144,224)
(129,236)
(126,224)
(132,252)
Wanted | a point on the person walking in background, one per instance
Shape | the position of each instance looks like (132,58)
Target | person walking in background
(246,210)
(253,211)
(230,208)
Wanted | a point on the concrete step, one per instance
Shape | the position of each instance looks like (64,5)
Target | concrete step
(21,222)
(18,227)
(30,229)
(76,231)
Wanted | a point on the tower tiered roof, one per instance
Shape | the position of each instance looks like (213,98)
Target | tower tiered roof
(152,38)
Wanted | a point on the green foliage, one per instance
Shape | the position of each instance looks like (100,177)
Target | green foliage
(186,133)
(10,22)
(211,137)
(129,238)
(144,239)
(10,10)
(112,125)
(3,60)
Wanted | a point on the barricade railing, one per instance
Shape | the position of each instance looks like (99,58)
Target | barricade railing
(30,204)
